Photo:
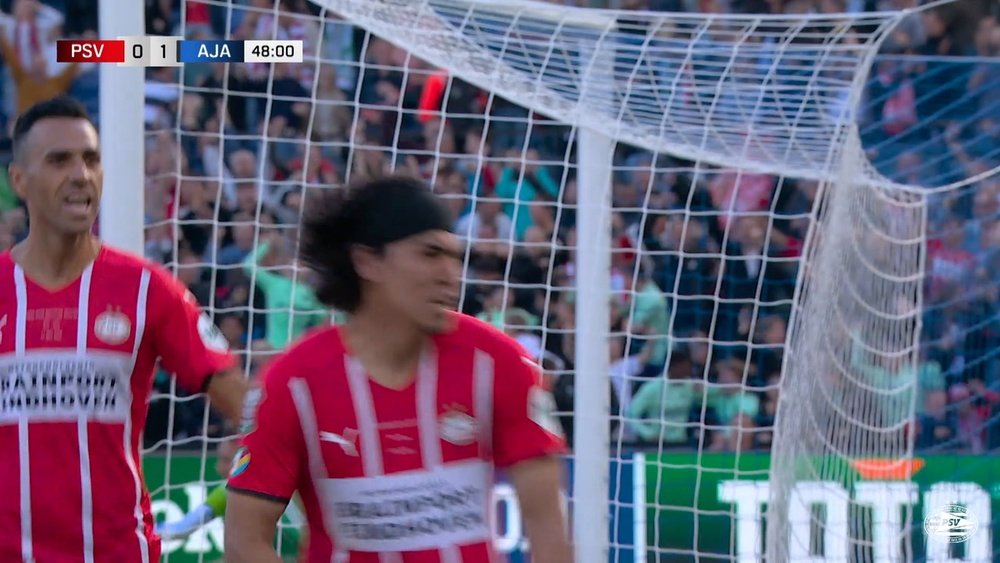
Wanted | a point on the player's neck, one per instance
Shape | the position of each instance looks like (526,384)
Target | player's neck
(390,350)
(52,259)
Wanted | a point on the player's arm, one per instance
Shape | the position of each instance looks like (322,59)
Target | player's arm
(226,391)
(266,470)
(251,524)
(538,483)
(192,348)
(527,441)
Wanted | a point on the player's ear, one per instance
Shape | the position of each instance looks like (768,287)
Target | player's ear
(366,262)
(16,175)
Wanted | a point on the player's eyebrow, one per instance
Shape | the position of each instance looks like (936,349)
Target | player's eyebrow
(443,249)
(62,154)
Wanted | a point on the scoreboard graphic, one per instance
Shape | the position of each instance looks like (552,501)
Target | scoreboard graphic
(165,51)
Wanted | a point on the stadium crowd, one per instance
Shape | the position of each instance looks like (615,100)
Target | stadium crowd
(703,285)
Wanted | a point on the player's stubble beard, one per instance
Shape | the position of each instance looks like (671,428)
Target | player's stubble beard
(442,322)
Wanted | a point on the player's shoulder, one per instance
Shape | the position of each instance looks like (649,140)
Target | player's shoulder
(470,332)
(117,261)
(116,268)
(115,257)
(313,353)
(164,289)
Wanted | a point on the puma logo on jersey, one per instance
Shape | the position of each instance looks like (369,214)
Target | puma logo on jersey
(345,442)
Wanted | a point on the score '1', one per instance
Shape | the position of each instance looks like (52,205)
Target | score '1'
(151,51)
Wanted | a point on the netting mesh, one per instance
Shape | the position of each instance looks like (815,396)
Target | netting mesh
(784,232)
(721,87)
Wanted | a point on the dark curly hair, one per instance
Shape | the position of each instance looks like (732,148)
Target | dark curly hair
(372,213)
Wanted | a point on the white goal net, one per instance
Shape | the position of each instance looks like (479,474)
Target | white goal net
(790,221)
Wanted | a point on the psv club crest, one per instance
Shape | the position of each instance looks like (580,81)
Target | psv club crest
(457,427)
(112,327)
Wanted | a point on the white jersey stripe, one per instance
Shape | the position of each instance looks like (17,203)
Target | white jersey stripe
(427,383)
(86,494)
(83,311)
(304,407)
(86,486)
(430,434)
(482,378)
(140,327)
(299,390)
(364,411)
(27,549)
(21,288)
(24,460)
(483,370)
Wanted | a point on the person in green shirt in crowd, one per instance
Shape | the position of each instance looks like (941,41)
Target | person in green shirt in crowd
(647,313)
(659,411)
(898,380)
(292,307)
(731,401)
(499,311)
(521,189)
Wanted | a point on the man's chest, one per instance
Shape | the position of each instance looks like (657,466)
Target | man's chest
(97,317)
(399,431)
(69,353)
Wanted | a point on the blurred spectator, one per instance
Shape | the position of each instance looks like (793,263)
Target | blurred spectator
(37,79)
(31,30)
(646,315)
(969,421)
(332,113)
(625,372)
(292,306)
(522,186)
(660,409)
(735,407)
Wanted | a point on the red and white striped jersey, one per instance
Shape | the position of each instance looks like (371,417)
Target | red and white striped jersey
(76,369)
(396,476)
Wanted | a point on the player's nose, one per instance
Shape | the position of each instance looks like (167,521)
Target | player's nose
(79,173)
(451,272)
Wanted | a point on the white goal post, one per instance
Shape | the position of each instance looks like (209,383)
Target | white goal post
(121,218)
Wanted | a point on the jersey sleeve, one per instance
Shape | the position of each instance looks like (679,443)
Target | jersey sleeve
(272,454)
(524,424)
(188,343)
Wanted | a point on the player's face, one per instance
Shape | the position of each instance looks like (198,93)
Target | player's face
(421,276)
(59,175)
